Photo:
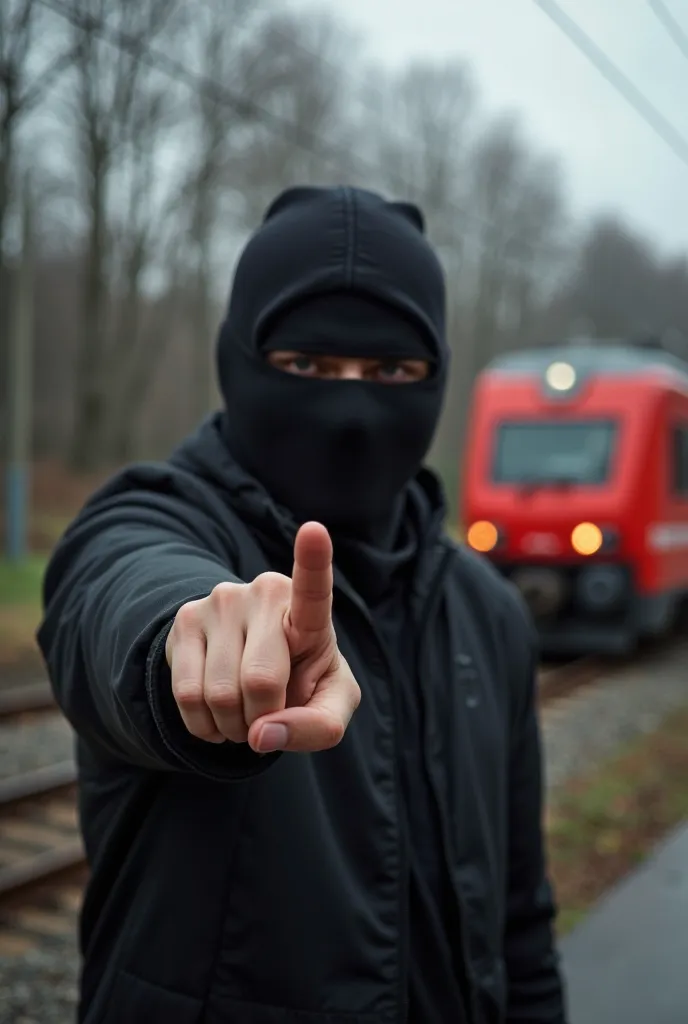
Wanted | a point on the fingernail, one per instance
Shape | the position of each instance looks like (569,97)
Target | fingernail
(273,736)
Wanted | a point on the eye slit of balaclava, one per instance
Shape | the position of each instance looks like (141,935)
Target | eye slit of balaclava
(346,324)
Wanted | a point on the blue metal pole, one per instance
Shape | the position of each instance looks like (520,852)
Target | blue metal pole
(16,511)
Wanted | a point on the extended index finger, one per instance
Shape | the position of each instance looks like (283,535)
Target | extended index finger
(311,581)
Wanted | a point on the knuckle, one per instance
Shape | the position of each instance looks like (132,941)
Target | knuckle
(224,595)
(262,680)
(188,618)
(355,695)
(271,585)
(223,698)
(187,694)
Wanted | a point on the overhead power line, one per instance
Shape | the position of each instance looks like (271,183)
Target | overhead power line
(630,92)
(671,25)
(304,139)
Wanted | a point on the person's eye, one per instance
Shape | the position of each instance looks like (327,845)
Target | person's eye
(394,373)
(303,365)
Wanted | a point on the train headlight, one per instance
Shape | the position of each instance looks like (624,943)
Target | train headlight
(482,536)
(586,539)
(560,376)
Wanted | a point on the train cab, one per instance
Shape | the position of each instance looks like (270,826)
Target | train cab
(575,485)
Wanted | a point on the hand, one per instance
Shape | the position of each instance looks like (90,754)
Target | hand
(259,661)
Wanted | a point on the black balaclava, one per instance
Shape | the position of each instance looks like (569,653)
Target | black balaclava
(336,271)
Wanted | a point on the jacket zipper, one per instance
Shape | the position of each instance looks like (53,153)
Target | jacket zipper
(402,995)
(449,853)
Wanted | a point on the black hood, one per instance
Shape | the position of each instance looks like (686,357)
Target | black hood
(343,272)
(369,569)
(315,241)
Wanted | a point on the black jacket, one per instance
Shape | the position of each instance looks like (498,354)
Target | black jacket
(228,887)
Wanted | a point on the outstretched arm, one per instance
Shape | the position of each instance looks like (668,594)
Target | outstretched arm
(140,583)
(113,586)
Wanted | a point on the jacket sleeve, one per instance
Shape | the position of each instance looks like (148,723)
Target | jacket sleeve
(131,559)
(535,986)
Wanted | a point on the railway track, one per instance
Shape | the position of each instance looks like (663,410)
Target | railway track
(42,862)
(25,699)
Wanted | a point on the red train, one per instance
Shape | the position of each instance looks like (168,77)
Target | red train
(576,487)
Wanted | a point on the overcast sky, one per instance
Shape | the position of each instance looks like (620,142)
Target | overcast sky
(523,62)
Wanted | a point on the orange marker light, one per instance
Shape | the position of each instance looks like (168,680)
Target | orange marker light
(482,536)
(586,539)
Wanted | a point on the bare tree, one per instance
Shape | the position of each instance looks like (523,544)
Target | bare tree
(28,68)
(418,123)
(138,237)
(116,104)
(519,236)
(540,252)
(227,43)
(621,286)
(308,135)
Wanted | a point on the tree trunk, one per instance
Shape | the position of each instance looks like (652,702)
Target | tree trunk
(6,148)
(91,403)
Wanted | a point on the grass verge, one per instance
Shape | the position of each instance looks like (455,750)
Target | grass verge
(20,610)
(601,826)
(20,582)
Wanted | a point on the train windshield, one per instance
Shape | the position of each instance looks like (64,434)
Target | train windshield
(553,453)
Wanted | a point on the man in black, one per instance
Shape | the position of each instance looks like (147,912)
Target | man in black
(263,849)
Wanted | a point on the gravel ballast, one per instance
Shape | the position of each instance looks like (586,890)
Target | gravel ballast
(40,987)
(582,731)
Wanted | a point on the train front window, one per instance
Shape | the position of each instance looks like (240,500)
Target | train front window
(555,452)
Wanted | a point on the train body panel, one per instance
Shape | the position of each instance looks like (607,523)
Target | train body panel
(577,488)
